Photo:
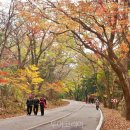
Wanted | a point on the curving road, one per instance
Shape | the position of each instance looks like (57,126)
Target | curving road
(75,116)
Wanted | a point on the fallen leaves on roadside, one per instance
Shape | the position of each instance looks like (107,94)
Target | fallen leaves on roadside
(114,120)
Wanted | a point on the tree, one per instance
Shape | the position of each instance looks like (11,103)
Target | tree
(3,83)
(103,28)
(53,90)
(27,80)
(32,35)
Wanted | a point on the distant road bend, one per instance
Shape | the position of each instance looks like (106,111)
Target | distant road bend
(75,116)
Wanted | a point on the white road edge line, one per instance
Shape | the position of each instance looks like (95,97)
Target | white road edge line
(52,120)
(100,121)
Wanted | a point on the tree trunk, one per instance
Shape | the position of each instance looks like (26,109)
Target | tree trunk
(125,86)
(125,82)
(104,102)
(123,108)
(109,102)
(127,102)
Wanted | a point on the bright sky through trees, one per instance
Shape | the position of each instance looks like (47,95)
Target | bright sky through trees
(5,1)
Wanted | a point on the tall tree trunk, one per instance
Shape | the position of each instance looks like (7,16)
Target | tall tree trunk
(126,85)
(104,102)
(127,102)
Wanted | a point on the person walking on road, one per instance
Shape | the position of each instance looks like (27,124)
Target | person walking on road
(29,104)
(42,105)
(36,105)
(97,104)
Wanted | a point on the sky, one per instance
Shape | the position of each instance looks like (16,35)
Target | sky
(5,2)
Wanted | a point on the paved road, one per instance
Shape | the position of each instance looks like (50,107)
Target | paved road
(77,116)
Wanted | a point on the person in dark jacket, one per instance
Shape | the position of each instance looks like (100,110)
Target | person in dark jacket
(42,105)
(36,103)
(29,103)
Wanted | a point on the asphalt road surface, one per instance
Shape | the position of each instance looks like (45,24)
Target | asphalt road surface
(75,116)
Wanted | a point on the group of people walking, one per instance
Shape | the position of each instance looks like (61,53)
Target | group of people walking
(34,103)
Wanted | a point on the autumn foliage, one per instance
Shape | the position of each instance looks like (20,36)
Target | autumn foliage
(3,77)
(41,43)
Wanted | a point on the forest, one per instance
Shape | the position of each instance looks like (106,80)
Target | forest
(65,49)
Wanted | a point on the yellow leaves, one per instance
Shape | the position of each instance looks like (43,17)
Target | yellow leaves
(31,71)
(32,74)
(26,79)
(65,89)
(33,67)
(41,24)
(37,80)
(22,78)
(23,87)
(28,91)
